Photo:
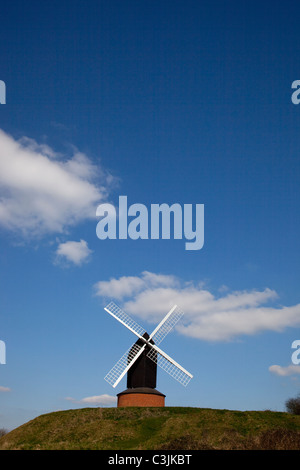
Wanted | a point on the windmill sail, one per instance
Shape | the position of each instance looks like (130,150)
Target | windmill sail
(160,357)
(166,363)
(125,319)
(166,325)
(116,374)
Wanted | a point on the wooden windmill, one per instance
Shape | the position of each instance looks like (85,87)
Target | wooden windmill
(140,361)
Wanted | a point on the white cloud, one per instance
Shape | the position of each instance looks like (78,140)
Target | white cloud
(207,317)
(41,192)
(119,288)
(4,389)
(127,286)
(285,371)
(102,400)
(74,252)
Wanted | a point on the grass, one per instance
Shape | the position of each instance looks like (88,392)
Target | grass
(169,428)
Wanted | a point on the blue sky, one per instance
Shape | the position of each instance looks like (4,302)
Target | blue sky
(164,102)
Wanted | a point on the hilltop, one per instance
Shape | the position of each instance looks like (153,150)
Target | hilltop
(169,428)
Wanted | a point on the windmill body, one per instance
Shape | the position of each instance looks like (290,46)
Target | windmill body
(140,361)
(143,372)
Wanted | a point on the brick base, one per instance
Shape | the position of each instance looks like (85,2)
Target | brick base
(141,397)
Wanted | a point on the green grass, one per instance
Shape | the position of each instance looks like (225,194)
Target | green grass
(169,428)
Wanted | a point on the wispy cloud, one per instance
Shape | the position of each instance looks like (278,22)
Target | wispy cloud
(285,371)
(43,192)
(127,286)
(102,400)
(73,252)
(208,316)
(4,389)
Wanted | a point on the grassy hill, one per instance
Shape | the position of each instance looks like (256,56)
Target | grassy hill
(169,428)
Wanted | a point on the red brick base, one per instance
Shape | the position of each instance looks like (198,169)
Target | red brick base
(141,397)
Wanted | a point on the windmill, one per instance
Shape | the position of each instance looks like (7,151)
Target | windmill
(140,361)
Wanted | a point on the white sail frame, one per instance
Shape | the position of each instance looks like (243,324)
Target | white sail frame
(168,364)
